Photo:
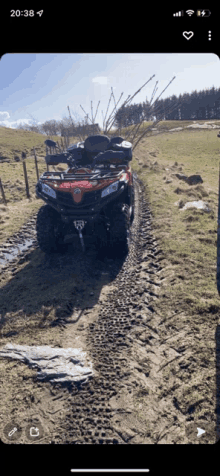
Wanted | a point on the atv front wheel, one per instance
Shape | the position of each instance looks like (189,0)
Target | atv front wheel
(101,240)
(119,230)
(49,230)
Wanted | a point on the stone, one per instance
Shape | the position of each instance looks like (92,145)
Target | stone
(194,179)
(197,204)
(17,159)
(53,364)
(181,177)
(2,160)
(176,129)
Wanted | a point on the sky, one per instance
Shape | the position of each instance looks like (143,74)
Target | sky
(41,86)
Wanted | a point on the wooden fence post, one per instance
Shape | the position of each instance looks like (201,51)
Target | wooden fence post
(3,193)
(35,158)
(26,179)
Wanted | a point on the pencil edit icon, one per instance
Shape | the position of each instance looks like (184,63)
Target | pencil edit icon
(12,431)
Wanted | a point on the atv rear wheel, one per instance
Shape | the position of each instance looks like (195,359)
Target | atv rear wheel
(119,230)
(49,230)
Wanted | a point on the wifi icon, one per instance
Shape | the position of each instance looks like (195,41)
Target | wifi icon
(190,12)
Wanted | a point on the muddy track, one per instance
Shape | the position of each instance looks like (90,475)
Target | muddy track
(95,411)
(95,408)
(145,366)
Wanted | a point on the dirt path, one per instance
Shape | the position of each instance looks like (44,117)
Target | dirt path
(146,386)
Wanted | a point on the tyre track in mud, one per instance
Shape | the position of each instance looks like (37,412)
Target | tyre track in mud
(95,411)
(143,362)
(98,406)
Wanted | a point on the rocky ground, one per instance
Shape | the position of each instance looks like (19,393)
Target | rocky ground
(152,383)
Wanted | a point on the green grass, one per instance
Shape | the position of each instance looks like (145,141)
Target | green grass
(14,142)
(19,207)
(188,238)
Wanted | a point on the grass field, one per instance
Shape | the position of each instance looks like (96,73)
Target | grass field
(188,238)
(12,143)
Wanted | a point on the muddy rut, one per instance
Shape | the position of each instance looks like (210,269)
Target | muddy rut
(135,394)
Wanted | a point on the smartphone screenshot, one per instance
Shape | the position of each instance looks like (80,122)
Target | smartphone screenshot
(109,241)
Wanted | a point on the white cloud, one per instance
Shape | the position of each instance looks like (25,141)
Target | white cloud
(100,80)
(4,115)
(14,124)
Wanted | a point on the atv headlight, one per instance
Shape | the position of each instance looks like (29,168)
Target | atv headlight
(48,190)
(111,188)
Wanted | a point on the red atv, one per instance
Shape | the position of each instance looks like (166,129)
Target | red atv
(94,197)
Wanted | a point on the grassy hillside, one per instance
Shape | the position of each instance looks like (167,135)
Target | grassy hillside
(14,141)
(188,238)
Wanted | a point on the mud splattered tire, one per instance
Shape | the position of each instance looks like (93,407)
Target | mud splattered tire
(119,231)
(49,230)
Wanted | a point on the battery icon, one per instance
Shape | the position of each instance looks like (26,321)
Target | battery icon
(203,13)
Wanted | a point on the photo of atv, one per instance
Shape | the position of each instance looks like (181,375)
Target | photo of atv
(93,197)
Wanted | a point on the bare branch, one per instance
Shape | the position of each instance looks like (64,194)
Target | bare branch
(91,113)
(87,115)
(96,110)
(73,124)
(103,121)
(154,92)
(104,124)
(107,122)
(139,90)
(165,88)
(129,99)
(113,96)
(147,129)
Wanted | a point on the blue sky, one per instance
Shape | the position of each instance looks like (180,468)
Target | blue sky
(41,86)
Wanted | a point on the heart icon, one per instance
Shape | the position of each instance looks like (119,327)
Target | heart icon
(188,34)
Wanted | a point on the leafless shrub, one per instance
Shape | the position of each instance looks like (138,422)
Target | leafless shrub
(135,133)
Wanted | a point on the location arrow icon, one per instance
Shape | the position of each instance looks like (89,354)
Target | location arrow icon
(200,431)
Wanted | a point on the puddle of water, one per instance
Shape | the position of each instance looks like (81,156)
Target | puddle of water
(14,250)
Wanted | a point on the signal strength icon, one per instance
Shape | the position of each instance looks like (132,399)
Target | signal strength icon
(178,14)
(190,12)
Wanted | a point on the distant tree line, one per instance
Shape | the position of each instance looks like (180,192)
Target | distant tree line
(201,105)
(197,105)
(64,127)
